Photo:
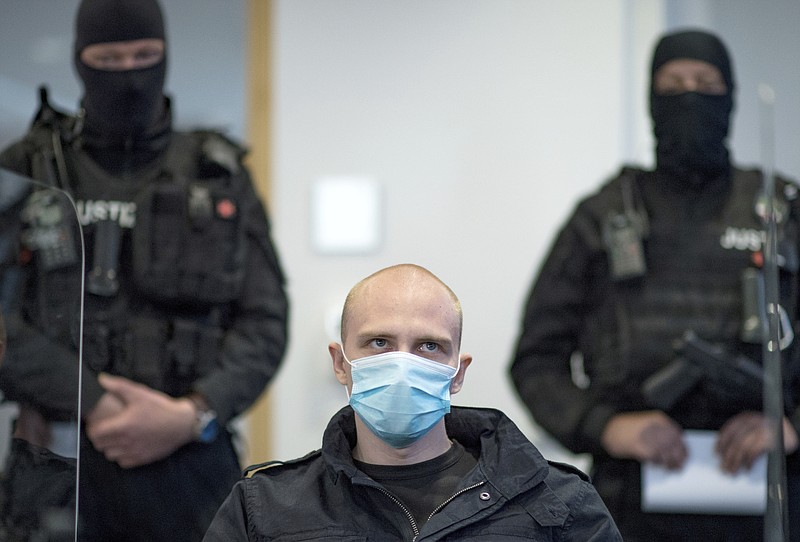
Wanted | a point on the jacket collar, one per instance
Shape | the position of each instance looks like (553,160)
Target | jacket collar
(507,459)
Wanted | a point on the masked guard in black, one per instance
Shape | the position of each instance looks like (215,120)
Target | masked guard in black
(652,264)
(185,308)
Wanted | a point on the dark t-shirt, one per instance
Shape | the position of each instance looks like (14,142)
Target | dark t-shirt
(422,487)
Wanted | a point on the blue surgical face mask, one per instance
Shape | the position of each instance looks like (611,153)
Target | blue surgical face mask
(400,396)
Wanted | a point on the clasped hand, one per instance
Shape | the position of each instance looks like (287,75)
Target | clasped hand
(134,425)
(652,436)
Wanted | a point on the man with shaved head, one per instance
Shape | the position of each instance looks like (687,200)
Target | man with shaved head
(398,463)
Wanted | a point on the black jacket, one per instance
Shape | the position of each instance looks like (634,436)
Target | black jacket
(512,494)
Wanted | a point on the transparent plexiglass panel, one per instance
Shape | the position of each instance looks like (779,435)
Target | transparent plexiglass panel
(41,270)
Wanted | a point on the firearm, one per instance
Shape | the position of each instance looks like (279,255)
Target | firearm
(726,376)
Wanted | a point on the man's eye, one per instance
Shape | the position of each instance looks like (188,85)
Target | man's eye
(430,347)
(380,343)
(711,87)
(148,55)
(107,60)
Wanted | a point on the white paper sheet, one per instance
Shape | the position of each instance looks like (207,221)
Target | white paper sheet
(701,487)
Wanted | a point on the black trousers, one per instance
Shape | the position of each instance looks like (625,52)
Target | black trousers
(173,500)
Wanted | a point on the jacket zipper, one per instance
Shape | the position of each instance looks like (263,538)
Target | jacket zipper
(406,511)
(456,494)
(410,517)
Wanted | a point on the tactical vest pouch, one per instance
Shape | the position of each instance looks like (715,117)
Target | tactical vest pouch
(194,348)
(97,346)
(166,355)
(105,344)
(189,242)
(49,230)
(148,351)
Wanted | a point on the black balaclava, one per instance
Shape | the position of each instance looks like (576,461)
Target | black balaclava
(120,106)
(691,128)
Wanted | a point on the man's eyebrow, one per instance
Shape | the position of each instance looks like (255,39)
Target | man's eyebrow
(373,333)
(377,333)
(435,339)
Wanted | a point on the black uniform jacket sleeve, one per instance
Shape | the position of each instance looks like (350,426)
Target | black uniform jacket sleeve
(570,280)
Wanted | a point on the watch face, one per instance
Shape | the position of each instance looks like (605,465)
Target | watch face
(210,431)
(208,427)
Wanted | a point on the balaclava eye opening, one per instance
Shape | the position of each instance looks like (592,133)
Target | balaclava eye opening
(691,128)
(120,104)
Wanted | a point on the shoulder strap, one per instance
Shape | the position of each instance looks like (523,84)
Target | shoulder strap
(633,206)
(48,133)
(220,152)
(203,154)
(266,468)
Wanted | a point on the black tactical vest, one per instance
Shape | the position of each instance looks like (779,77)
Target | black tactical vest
(165,254)
(695,253)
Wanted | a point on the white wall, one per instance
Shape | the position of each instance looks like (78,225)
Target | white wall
(765,39)
(482,121)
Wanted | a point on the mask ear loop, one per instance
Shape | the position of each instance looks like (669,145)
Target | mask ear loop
(346,390)
(455,374)
(341,346)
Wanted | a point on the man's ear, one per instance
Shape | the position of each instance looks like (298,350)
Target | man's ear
(458,380)
(335,350)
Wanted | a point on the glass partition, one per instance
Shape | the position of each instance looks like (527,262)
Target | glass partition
(41,270)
